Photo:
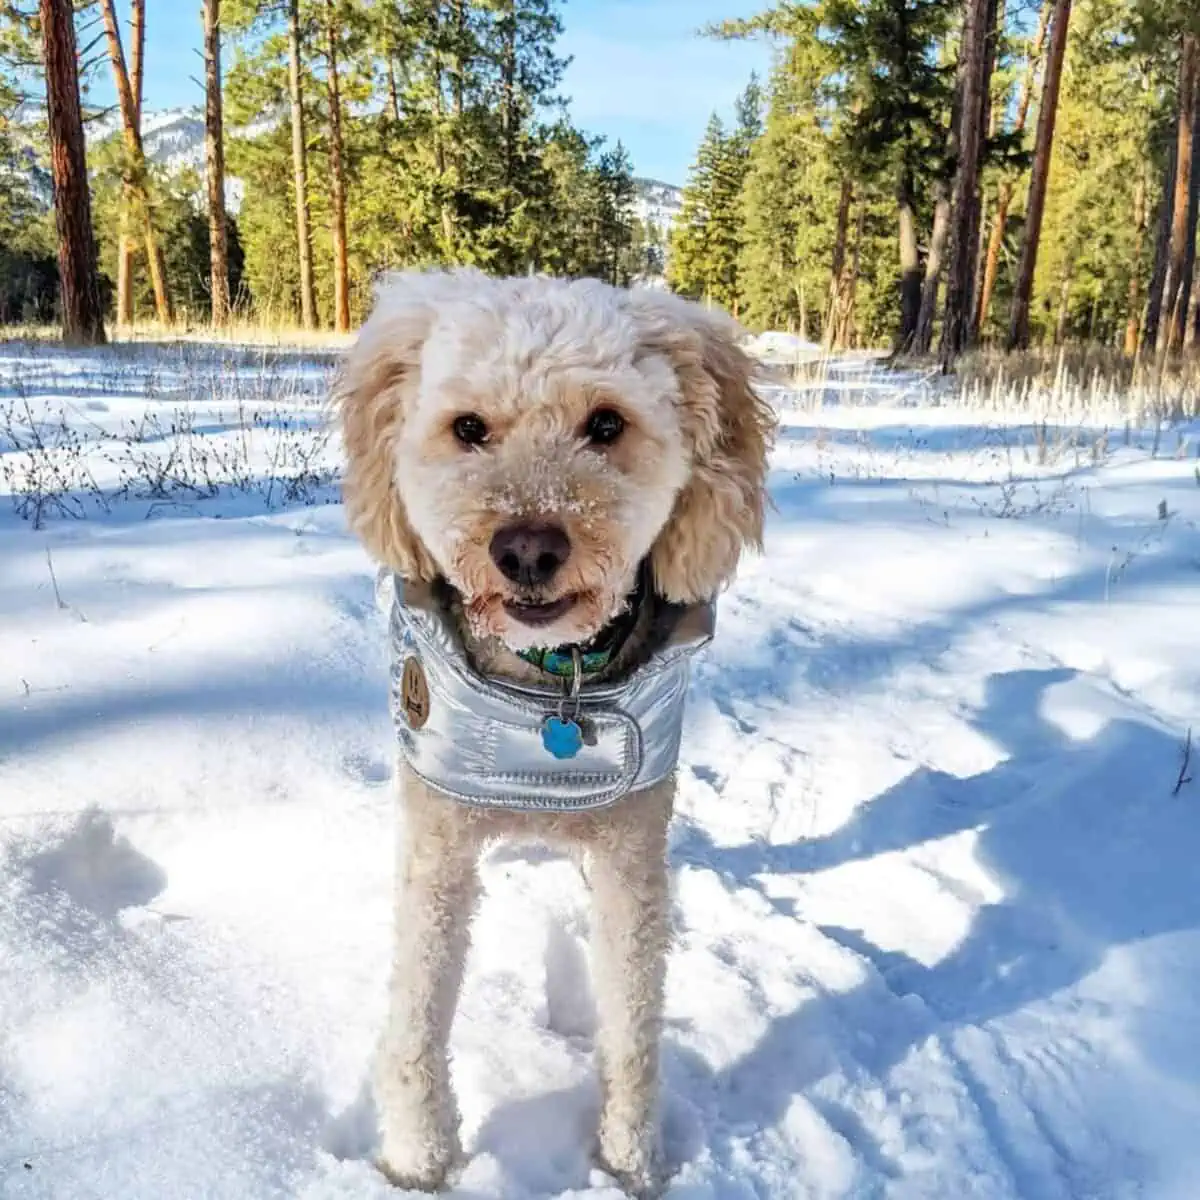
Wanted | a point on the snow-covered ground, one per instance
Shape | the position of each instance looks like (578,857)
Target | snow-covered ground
(937,860)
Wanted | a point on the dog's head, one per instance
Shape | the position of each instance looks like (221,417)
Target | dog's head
(533,441)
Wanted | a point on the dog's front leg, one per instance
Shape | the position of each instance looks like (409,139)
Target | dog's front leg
(436,894)
(627,873)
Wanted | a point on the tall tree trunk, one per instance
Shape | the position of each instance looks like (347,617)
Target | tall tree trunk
(125,244)
(838,266)
(1182,246)
(459,9)
(308,303)
(1156,288)
(125,248)
(393,88)
(986,110)
(967,151)
(1184,303)
(135,165)
(1018,330)
(933,266)
(337,172)
(848,334)
(78,270)
(1064,307)
(1133,303)
(991,268)
(508,84)
(214,155)
(910,264)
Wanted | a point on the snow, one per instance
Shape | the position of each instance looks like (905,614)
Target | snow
(778,347)
(935,882)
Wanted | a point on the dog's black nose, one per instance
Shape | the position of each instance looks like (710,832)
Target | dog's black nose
(530,554)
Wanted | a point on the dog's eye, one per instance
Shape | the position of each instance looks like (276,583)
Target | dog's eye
(470,429)
(604,426)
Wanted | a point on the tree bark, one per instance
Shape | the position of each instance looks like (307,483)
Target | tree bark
(393,89)
(1156,288)
(78,270)
(986,110)
(910,264)
(934,260)
(1064,308)
(967,151)
(337,171)
(1018,331)
(125,246)
(838,265)
(308,303)
(508,82)
(991,267)
(1134,301)
(214,155)
(1182,245)
(135,167)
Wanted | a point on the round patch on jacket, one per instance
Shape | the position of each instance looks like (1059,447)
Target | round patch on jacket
(414,693)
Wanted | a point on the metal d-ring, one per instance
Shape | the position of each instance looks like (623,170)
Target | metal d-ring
(573,688)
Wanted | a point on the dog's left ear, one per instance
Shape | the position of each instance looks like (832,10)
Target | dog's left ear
(372,393)
(728,429)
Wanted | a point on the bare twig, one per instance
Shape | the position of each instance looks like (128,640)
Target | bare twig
(1186,757)
(62,604)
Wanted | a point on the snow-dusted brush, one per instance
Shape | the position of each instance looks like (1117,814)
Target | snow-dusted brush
(163,426)
(559,477)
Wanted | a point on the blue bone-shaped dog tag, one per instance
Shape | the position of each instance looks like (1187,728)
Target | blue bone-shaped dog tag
(563,739)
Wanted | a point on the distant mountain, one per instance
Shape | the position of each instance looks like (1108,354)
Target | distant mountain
(657,203)
(174,138)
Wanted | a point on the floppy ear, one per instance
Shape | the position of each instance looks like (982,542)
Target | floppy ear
(373,389)
(728,429)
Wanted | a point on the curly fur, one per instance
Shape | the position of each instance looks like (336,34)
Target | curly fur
(683,488)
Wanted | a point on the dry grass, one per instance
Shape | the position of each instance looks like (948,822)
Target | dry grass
(238,332)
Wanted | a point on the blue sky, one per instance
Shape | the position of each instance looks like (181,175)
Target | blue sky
(639,72)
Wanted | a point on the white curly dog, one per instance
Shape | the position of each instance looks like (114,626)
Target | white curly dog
(558,477)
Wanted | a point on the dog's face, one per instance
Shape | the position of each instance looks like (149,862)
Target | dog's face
(533,441)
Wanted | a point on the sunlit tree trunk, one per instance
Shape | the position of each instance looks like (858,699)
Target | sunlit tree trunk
(135,167)
(214,152)
(1018,330)
(308,303)
(79,276)
(337,173)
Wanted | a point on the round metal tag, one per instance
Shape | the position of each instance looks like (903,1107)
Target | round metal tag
(414,693)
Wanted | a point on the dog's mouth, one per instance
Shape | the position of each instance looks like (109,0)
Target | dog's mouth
(538,615)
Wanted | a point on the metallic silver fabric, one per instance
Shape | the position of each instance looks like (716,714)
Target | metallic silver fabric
(481,742)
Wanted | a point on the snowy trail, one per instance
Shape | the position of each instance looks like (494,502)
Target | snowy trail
(938,928)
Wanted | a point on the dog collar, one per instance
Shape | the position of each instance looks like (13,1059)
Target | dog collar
(563,747)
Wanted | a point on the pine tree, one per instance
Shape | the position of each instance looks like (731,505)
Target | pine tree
(709,233)
(82,314)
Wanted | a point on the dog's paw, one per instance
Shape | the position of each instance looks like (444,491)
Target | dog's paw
(413,1177)
(633,1160)
(418,1141)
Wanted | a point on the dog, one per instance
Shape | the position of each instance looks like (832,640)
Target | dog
(558,478)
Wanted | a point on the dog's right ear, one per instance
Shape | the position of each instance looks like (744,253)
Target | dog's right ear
(373,390)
